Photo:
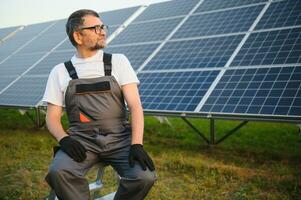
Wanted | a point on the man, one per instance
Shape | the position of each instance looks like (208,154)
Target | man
(93,87)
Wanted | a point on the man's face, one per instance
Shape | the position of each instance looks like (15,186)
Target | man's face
(93,36)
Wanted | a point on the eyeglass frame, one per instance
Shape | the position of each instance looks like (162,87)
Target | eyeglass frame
(97,28)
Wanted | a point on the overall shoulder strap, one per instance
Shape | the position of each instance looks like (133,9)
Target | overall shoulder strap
(71,70)
(107,61)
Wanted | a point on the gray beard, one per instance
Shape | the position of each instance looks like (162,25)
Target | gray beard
(96,47)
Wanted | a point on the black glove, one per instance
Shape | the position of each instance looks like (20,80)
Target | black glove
(137,153)
(73,148)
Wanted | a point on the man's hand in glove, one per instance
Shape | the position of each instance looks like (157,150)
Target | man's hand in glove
(73,148)
(137,153)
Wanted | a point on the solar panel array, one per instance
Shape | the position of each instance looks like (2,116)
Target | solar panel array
(234,57)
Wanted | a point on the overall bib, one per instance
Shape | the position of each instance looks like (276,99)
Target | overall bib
(97,118)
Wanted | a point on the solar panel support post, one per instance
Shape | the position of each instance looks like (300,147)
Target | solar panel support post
(212,140)
(212,131)
(196,130)
(37,119)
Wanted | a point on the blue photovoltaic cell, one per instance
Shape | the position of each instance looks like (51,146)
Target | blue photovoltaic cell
(20,38)
(281,14)
(27,91)
(5,80)
(6,31)
(174,91)
(45,66)
(264,91)
(136,54)
(18,64)
(117,17)
(209,5)
(48,40)
(222,22)
(199,53)
(271,47)
(66,45)
(44,43)
(146,32)
(167,9)
(112,29)
(59,26)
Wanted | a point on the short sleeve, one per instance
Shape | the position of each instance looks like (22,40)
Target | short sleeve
(53,93)
(125,73)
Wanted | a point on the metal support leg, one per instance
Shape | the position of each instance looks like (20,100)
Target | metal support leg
(213,135)
(212,131)
(39,123)
(196,130)
(37,119)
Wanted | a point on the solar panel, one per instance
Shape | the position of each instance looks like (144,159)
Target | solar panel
(44,67)
(19,63)
(174,91)
(281,14)
(270,47)
(167,9)
(66,45)
(117,17)
(21,38)
(198,53)
(136,54)
(30,88)
(209,5)
(268,91)
(46,41)
(146,32)
(5,80)
(222,22)
(6,31)
(112,29)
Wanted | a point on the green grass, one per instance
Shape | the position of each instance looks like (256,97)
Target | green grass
(260,161)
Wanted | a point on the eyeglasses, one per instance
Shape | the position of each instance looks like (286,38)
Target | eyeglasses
(97,28)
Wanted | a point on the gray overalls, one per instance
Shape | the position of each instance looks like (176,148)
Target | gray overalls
(97,118)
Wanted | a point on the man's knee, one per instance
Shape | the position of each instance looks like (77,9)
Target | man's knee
(55,174)
(147,178)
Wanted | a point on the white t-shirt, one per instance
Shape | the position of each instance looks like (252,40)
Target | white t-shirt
(86,68)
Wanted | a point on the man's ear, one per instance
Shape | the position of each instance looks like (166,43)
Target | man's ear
(77,37)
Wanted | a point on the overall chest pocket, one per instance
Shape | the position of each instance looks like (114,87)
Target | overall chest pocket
(93,88)
(92,100)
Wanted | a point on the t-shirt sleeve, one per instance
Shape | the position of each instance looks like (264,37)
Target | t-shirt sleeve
(124,70)
(53,93)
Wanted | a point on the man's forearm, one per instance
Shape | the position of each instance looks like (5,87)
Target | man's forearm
(137,123)
(55,128)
